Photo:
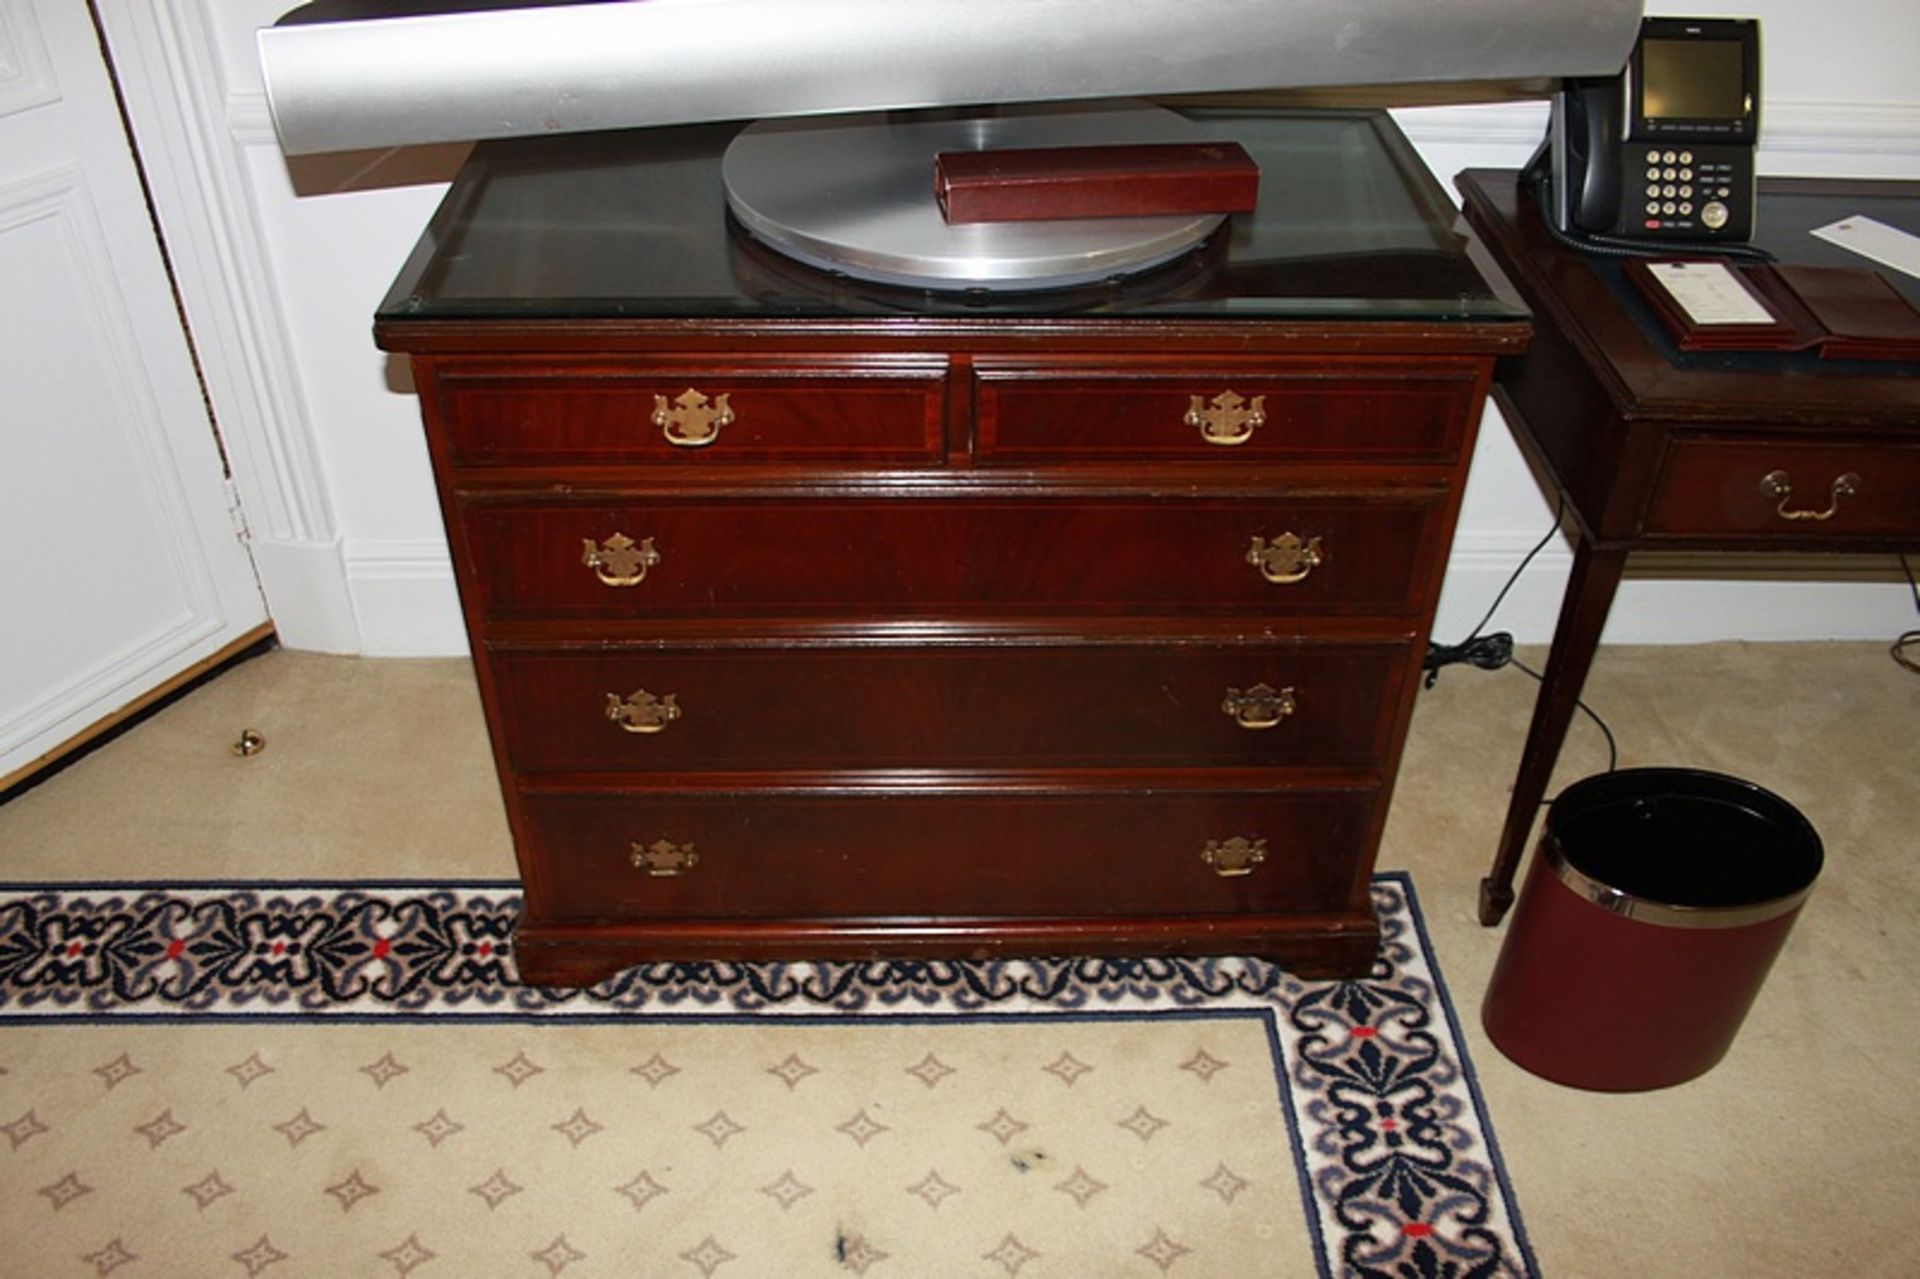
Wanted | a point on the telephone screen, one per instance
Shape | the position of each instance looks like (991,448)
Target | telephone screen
(1692,80)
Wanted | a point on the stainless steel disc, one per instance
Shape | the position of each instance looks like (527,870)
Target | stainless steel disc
(854,194)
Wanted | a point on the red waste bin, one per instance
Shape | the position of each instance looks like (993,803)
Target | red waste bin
(1656,902)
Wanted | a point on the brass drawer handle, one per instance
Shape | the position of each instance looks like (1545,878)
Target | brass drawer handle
(664,859)
(1231,858)
(1261,706)
(642,712)
(1285,559)
(1775,484)
(689,420)
(1229,419)
(619,561)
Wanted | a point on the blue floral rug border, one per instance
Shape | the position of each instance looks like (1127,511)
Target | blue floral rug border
(1399,1168)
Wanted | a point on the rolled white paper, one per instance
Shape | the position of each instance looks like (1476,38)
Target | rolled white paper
(421,71)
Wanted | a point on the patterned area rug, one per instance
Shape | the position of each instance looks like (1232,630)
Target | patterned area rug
(300,1079)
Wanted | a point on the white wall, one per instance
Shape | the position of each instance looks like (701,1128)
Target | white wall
(282,264)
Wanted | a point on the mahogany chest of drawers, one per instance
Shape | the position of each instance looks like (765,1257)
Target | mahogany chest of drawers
(819,620)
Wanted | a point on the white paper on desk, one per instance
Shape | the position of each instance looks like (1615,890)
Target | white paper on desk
(1889,246)
(1709,293)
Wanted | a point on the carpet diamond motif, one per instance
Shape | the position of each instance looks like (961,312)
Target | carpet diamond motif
(1044,1117)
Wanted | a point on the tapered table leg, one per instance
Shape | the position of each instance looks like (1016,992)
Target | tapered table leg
(1583,612)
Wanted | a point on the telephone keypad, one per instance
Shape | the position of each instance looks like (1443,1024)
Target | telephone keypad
(1675,179)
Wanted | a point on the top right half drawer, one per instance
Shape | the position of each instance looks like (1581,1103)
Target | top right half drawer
(1316,412)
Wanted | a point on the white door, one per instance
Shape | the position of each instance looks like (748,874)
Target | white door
(120,564)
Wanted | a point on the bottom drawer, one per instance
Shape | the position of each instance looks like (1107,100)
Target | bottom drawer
(819,853)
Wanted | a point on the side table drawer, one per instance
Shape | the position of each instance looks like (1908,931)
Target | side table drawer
(1734,487)
(996,703)
(679,557)
(607,415)
(1256,413)
(821,853)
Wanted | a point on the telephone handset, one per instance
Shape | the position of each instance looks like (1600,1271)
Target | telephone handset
(1663,152)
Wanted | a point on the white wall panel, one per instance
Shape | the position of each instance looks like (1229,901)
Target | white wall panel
(94,436)
(121,566)
(26,77)
(332,250)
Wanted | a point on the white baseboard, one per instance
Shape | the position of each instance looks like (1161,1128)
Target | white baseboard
(1674,600)
(1689,610)
(405,600)
(307,593)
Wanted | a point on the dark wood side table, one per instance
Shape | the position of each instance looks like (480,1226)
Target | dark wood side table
(1653,449)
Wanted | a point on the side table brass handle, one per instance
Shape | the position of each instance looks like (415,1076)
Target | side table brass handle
(1229,419)
(1261,706)
(1285,559)
(1775,484)
(1232,858)
(664,859)
(619,561)
(689,420)
(642,712)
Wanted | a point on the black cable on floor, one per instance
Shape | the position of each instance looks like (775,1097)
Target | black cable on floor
(1488,652)
(1613,749)
(1491,652)
(1906,646)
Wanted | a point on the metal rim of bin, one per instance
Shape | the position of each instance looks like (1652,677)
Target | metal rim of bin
(1628,905)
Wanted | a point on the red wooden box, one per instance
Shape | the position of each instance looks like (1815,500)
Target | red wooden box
(1123,181)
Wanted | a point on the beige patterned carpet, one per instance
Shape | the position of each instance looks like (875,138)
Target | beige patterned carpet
(329,1080)
(1797,1156)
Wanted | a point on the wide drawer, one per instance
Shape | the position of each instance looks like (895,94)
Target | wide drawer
(1713,487)
(673,556)
(951,705)
(1319,412)
(585,415)
(820,853)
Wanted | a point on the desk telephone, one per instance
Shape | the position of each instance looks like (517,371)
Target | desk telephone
(1660,155)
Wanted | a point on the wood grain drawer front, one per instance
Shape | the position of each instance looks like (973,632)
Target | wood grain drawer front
(748,557)
(950,706)
(693,415)
(1756,487)
(953,854)
(1252,414)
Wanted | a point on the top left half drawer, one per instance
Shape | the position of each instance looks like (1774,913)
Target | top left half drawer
(611,415)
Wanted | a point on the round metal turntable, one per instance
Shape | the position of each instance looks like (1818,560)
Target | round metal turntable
(854,194)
